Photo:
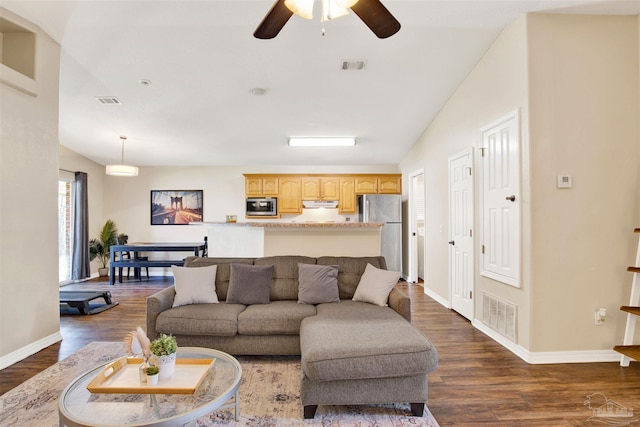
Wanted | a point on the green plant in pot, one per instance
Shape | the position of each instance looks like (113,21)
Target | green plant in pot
(152,374)
(164,350)
(99,247)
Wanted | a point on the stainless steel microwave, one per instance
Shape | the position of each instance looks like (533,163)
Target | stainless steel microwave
(262,206)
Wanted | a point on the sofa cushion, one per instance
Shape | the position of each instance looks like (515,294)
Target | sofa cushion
(350,269)
(194,286)
(223,273)
(354,340)
(285,275)
(375,285)
(200,319)
(249,284)
(277,318)
(317,284)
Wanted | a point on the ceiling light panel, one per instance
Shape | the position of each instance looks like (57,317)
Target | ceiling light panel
(322,142)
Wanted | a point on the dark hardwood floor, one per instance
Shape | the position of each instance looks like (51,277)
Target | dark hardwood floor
(478,382)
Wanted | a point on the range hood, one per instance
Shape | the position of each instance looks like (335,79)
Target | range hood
(317,204)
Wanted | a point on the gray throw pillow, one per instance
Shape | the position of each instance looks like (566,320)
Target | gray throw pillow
(249,284)
(317,284)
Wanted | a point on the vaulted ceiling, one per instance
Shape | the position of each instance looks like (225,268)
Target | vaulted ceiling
(184,72)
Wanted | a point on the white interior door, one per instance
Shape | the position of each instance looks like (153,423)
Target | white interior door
(501,200)
(416,232)
(461,259)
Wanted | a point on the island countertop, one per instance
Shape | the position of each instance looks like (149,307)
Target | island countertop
(283,224)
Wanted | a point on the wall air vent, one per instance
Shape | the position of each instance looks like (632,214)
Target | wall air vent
(354,65)
(499,315)
(108,100)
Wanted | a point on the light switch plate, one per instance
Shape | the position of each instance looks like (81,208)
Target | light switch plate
(565,181)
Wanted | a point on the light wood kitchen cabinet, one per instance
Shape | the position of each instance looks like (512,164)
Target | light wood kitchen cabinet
(257,186)
(318,188)
(289,195)
(389,185)
(366,185)
(379,184)
(347,203)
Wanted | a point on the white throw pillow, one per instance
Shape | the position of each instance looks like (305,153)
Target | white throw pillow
(375,285)
(195,285)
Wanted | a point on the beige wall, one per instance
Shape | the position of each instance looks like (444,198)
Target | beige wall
(575,80)
(584,122)
(496,86)
(29,310)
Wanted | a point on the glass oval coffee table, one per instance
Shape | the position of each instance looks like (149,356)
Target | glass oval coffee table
(219,390)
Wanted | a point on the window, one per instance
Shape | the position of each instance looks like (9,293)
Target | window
(65,228)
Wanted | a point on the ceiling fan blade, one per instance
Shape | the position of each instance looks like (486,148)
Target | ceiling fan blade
(376,17)
(273,21)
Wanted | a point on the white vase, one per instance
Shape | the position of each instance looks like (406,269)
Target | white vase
(152,379)
(166,364)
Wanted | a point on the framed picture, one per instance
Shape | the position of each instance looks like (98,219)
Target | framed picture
(176,207)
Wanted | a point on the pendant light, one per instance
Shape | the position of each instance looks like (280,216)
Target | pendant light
(122,169)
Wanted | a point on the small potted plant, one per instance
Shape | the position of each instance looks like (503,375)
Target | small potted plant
(164,350)
(152,375)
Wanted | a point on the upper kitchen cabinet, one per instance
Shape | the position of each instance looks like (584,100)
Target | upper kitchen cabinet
(347,203)
(320,188)
(378,184)
(260,185)
(389,184)
(289,195)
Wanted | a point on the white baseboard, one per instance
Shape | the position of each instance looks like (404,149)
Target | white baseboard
(436,297)
(548,357)
(26,351)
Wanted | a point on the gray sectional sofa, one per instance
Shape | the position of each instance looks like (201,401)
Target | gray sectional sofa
(351,352)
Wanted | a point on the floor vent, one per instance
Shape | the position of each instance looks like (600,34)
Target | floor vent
(499,315)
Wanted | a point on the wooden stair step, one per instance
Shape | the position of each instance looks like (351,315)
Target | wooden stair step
(632,351)
(636,230)
(631,309)
(633,269)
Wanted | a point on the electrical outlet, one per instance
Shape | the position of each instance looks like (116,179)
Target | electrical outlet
(599,316)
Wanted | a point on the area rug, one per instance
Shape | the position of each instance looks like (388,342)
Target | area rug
(94,308)
(269,396)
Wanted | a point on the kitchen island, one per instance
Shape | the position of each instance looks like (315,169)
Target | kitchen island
(314,239)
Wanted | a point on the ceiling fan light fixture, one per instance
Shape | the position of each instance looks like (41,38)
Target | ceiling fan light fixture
(349,141)
(302,8)
(331,10)
(122,169)
(346,3)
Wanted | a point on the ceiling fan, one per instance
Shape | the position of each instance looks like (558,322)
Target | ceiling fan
(372,12)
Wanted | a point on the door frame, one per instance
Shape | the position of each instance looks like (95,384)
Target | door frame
(412,275)
(466,152)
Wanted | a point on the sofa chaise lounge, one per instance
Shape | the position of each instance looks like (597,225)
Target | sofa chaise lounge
(352,352)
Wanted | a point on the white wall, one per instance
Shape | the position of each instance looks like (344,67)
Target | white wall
(29,308)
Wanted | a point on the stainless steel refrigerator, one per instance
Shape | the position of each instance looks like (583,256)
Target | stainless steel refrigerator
(385,208)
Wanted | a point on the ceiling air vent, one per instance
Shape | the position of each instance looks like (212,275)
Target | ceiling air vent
(354,65)
(108,100)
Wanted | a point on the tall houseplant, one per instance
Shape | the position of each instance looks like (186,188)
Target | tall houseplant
(99,248)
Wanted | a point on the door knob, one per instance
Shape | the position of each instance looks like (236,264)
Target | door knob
(452,243)
(511,198)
